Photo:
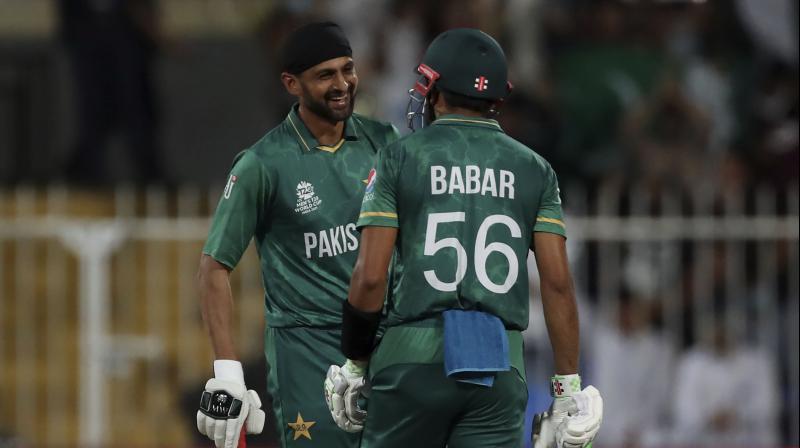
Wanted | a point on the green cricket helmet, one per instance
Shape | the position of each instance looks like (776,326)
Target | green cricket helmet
(464,61)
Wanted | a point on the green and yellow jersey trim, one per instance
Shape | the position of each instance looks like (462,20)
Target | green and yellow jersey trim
(331,148)
(466,120)
(557,222)
(379,214)
(325,148)
(302,140)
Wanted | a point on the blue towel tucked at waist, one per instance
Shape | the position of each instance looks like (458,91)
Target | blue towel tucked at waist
(475,346)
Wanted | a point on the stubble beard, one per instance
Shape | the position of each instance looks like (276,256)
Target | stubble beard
(321,108)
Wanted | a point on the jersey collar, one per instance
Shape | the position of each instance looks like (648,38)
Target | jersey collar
(462,120)
(307,140)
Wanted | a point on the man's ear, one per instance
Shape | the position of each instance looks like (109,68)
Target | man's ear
(434,97)
(291,83)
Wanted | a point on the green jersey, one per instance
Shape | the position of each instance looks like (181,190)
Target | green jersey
(466,199)
(299,200)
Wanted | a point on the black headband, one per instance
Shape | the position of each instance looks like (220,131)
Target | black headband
(312,44)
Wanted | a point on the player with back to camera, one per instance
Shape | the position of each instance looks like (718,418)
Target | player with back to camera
(463,204)
(296,192)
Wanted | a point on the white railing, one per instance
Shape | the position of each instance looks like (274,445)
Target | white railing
(100,328)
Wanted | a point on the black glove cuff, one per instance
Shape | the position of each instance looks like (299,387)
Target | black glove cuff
(358,331)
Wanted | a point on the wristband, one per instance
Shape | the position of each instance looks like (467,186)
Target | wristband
(357,368)
(358,331)
(229,370)
(562,386)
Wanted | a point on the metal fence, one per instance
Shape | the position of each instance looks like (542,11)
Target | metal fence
(100,329)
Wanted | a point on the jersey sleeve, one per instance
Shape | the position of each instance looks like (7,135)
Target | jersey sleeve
(549,217)
(239,211)
(379,206)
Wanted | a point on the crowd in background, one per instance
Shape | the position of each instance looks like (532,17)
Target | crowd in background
(653,98)
(654,94)
(648,97)
(662,94)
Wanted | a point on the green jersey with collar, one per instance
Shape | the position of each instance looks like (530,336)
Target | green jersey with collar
(299,201)
(466,199)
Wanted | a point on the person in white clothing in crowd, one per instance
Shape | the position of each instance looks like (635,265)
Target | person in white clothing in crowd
(726,394)
(634,364)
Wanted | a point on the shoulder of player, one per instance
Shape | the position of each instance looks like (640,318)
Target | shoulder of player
(380,129)
(418,142)
(406,143)
(277,142)
(372,123)
(535,158)
(265,152)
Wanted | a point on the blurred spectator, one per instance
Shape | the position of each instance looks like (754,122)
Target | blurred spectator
(707,43)
(597,79)
(396,54)
(271,31)
(111,45)
(773,24)
(631,365)
(667,136)
(725,394)
(774,109)
(532,119)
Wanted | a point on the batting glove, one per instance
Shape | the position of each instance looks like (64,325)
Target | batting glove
(574,417)
(343,386)
(227,407)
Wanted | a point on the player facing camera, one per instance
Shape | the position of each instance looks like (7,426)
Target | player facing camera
(467,68)
(296,192)
(319,71)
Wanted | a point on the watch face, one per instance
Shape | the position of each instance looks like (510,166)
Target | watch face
(220,405)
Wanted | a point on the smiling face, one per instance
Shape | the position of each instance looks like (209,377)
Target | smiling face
(327,89)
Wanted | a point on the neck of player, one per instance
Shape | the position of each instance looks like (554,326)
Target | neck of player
(441,108)
(326,133)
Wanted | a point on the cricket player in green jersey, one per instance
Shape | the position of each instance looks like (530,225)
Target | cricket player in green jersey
(297,192)
(462,203)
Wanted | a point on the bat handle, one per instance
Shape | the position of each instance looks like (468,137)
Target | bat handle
(242,439)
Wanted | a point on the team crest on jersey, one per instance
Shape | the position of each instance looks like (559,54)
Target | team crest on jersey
(307,200)
(229,186)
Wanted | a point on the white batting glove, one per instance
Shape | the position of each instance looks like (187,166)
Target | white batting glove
(343,386)
(545,425)
(574,417)
(580,428)
(226,406)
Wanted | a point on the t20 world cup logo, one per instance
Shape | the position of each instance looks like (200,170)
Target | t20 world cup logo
(307,200)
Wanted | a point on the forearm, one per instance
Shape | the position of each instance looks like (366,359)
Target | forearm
(561,317)
(361,313)
(366,294)
(361,321)
(216,302)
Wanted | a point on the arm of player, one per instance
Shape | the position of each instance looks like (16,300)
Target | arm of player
(575,416)
(361,315)
(216,304)
(368,284)
(558,300)
(227,408)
